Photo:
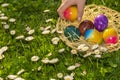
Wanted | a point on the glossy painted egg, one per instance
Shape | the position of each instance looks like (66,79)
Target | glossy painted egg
(101,22)
(85,25)
(72,33)
(110,35)
(109,32)
(111,40)
(71,13)
(93,36)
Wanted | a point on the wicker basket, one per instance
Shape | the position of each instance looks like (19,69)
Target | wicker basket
(90,12)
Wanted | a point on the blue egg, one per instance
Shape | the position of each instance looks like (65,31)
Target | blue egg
(88,33)
(71,32)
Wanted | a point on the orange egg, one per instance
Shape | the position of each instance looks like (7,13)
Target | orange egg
(71,13)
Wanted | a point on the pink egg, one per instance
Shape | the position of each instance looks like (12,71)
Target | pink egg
(111,40)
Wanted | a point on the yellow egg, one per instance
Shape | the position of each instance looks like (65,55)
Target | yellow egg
(93,36)
(109,32)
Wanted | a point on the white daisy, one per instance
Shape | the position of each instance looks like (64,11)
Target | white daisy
(1,56)
(28,28)
(12,76)
(52,79)
(83,73)
(35,58)
(97,51)
(29,38)
(55,40)
(46,32)
(70,68)
(6,26)
(85,48)
(1,78)
(42,28)
(46,60)
(3,23)
(3,18)
(12,20)
(80,46)
(60,32)
(19,78)
(31,31)
(47,28)
(87,54)
(47,10)
(95,46)
(73,51)
(61,50)
(3,49)
(33,70)
(20,72)
(49,54)
(54,60)
(77,64)
(2,14)
(68,77)
(103,49)
(97,56)
(39,68)
(49,20)
(53,31)
(72,74)
(59,75)
(12,32)
(5,5)
(20,37)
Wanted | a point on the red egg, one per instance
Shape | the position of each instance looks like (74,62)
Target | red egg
(71,13)
(85,25)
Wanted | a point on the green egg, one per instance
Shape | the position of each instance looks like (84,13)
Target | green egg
(72,33)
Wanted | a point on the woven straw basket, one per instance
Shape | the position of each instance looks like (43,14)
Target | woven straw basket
(90,12)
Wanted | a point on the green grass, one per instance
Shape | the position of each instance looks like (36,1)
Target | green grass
(18,56)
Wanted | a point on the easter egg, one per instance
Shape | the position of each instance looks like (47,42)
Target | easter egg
(111,40)
(71,13)
(71,32)
(109,32)
(110,35)
(85,25)
(93,36)
(101,22)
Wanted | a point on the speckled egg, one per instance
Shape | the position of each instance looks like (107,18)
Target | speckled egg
(93,36)
(71,32)
(85,25)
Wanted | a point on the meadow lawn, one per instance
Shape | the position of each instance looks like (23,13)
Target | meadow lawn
(32,56)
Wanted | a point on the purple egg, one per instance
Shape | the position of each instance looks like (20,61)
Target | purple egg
(101,22)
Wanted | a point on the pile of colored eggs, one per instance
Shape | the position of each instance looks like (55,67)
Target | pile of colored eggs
(95,32)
